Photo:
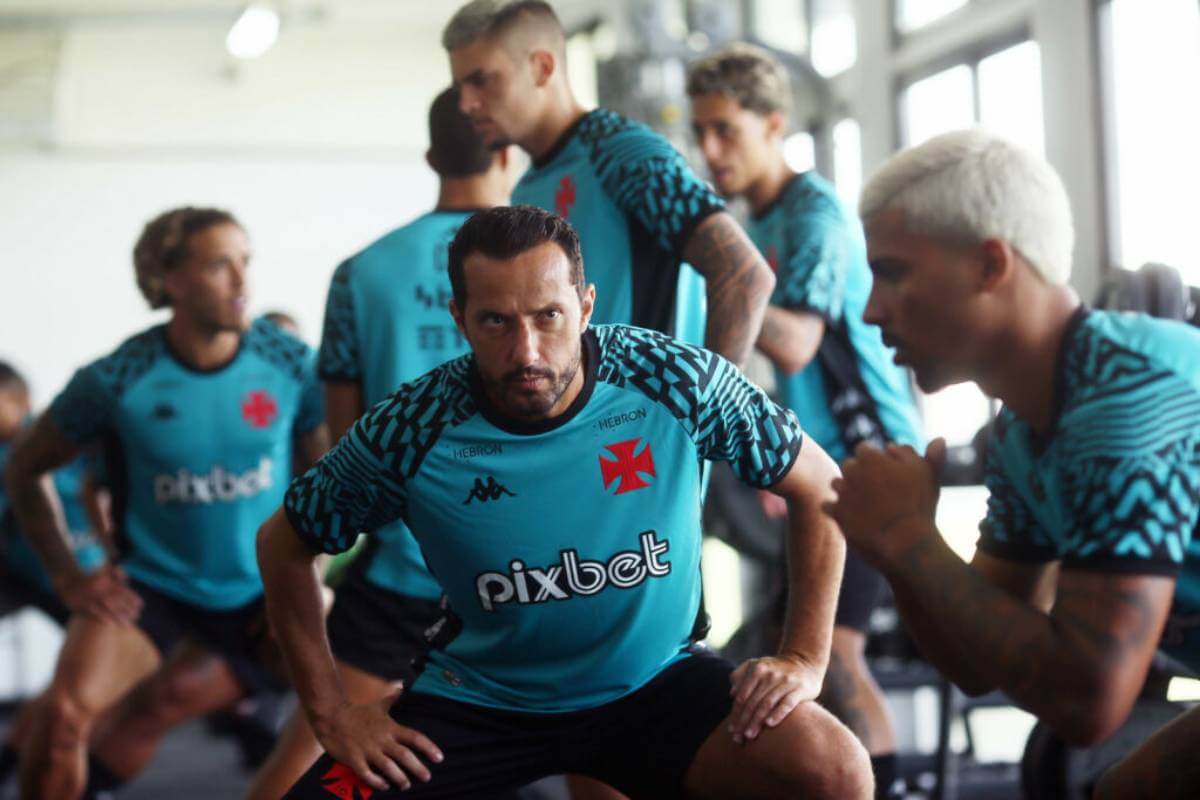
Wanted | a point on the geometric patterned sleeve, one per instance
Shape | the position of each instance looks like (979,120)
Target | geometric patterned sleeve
(84,409)
(1136,514)
(728,417)
(1131,460)
(351,489)
(813,267)
(338,359)
(648,179)
(362,483)
(1009,531)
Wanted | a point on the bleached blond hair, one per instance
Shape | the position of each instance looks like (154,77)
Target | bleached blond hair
(972,185)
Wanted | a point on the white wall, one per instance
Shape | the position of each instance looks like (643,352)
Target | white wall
(69,225)
(318,148)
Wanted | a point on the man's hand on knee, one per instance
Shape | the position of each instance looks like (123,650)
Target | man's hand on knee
(104,594)
(381,752)
(766,690)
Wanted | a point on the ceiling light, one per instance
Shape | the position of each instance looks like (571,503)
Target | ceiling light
(254,32)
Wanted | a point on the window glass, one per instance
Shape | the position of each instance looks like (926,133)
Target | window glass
(799,151)
(834,36)
(942,102)
(1010,95)
(1153,61)
(781,24)
(847,160)
(581,69)
(913,14)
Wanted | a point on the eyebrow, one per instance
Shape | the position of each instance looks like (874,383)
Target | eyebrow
(473,75)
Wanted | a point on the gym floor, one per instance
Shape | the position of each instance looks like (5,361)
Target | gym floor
(177,772)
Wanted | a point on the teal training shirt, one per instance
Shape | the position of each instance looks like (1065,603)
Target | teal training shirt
(1115,485)
(569,549)
(386,322)
(634,201)
(200,459)
(852,391)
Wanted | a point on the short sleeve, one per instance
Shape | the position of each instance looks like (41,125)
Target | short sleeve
(350,490)
(1135,514)
(1009,530)
(649,180)
(338,359)
(812,272)
(738,423)
(310,410)
(84,409)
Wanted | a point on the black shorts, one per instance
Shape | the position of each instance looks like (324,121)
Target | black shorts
(381,632)
(235,634)
(641,744)
(863,589)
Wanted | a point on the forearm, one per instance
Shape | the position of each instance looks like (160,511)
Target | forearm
(982,635)
(790,339)
(739,285)
(98,505)
(936,645)
(292,586)
(816,557)
(343,405)
(39,514)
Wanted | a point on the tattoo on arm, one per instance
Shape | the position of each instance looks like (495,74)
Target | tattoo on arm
(739,284)
(1047,663)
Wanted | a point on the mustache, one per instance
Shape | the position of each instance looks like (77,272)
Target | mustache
(526,373)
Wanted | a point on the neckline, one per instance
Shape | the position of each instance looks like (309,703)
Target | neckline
(771,206)
(561,142)
(590,366)
(1059,402)
(178,358)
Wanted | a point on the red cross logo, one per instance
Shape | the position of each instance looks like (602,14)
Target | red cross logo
(259,409)
(341,781)
(564,198)
(627,466)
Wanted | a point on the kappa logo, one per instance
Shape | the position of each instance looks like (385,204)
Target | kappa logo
(564,198)
(341,781)
(486,491)
(259,409)
(574,576)
(628,467)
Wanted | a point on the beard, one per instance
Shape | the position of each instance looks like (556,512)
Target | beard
(521,403)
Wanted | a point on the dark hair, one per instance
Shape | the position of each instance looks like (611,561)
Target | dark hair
(163,246)
(506,232)
(281,319)
(9,375)
(455,150)
(747,73)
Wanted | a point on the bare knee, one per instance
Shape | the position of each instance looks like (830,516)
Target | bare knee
(68,721)
(827,760)
(172,696)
